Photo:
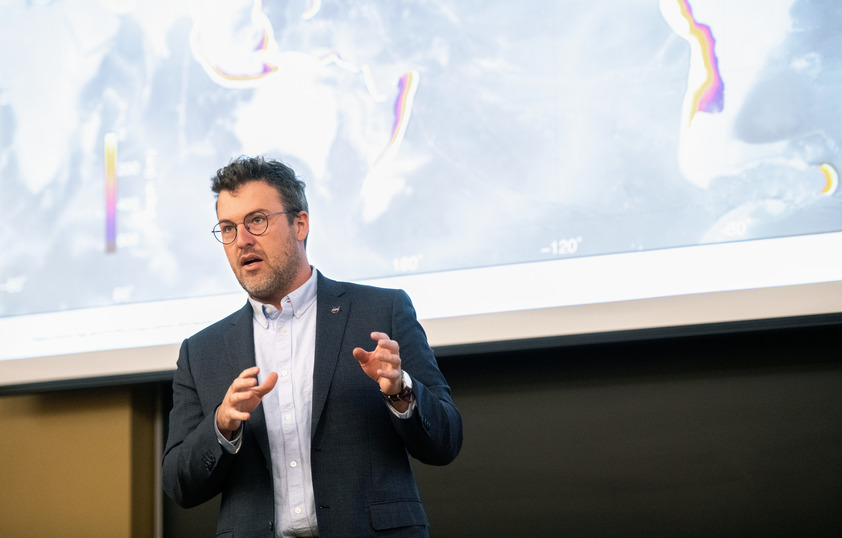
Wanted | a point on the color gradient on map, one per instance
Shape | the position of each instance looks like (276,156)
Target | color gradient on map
(831,178)
(267,36)
(403,108)
(709,96)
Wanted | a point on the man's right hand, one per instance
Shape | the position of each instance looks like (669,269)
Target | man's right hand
(243,397)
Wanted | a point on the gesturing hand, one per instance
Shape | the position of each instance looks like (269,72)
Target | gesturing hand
(383,364)
(243,397)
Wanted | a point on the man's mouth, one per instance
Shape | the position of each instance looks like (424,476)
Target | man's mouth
(249,259)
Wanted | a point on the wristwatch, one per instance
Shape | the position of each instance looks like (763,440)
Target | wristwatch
(405,395)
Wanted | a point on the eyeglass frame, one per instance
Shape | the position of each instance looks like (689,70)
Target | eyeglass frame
(217,233)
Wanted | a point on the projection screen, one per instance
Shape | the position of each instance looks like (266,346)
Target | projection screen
(524,170)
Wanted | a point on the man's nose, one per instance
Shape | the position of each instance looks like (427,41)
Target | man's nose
(244,236)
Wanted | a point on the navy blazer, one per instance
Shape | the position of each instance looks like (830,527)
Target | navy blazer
(362,479)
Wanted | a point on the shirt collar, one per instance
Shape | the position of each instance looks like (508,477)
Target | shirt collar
(298,302)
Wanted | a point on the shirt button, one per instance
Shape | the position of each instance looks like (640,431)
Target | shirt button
(284,373)
(288,417)
(297,510)
(283,330)
(293,464)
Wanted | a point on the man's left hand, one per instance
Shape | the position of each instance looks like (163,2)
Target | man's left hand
(383,364)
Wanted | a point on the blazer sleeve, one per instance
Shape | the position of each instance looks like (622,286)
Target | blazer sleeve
(194,465)
(433,434)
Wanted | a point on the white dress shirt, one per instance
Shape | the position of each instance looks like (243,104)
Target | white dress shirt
(285,342)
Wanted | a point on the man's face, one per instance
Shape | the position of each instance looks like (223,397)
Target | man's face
(270,265)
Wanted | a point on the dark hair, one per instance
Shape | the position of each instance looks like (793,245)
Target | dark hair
(245,169)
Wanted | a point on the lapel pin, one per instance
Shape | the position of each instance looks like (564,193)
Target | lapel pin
(334,310)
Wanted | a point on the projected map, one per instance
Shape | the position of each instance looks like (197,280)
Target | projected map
(432,135)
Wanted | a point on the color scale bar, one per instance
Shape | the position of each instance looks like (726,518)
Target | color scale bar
(110,192)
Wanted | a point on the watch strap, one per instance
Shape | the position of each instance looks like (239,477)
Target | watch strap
(405,394)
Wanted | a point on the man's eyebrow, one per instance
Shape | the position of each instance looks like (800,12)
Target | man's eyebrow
(261,210)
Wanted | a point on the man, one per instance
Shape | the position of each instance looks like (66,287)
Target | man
(280,407)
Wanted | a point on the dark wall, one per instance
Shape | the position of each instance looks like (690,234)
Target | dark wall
(717,435)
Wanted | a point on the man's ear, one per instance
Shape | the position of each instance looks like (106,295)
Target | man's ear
(302,225)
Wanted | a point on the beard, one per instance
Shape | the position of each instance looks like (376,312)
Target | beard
(278,278)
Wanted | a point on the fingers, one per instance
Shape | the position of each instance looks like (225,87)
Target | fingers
(386,347)
(379,336)
(268,385)
(245,394)
(391,374)
(360,354)
(384,342)
(387,353)
(235,399)
(386,350)
(249,372)
(242,384)
(233,415)
(383,364)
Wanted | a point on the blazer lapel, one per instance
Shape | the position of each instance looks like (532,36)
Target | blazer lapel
(239,340)
(239,344)
(331,316)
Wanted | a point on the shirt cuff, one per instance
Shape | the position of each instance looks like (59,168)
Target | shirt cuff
(232,446)
(412,404)
(405,414)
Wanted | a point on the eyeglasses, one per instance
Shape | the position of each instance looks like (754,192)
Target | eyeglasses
(256,222)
